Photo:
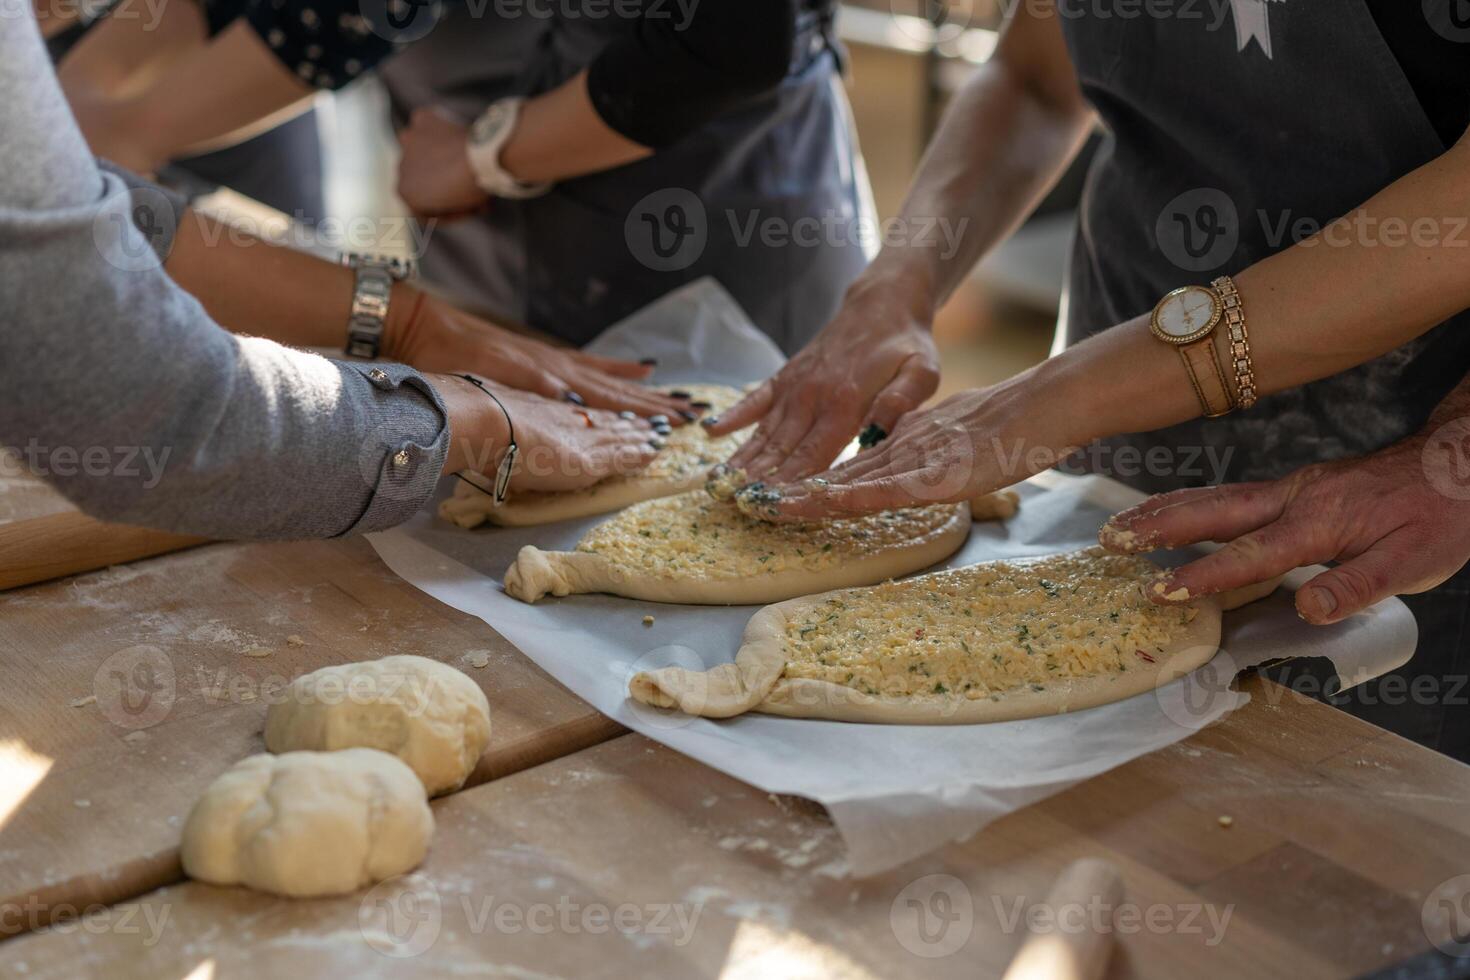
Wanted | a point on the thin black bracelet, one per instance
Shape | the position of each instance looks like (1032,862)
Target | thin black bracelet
(502,474)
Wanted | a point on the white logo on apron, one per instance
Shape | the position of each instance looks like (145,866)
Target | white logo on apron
(1253,22)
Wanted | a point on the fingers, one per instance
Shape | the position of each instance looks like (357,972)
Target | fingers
(1254,557)
(1198,514)
(915,381)
(1395,565)
(622,446)
(622,396)
(548,385)
(756,444)
(817,448)
(568,454)
(783,440)
(616,367)
(812,500)
(747,411)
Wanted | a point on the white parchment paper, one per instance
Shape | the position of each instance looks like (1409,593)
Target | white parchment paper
(894,792)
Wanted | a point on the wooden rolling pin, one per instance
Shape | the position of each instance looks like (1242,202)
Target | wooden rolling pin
(42,548)
(1074,953)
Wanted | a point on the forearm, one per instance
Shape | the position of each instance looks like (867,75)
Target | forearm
(1002,144)
(560,135)
(215,90)
(1330,303)
(126,396)
(251,286)
(255,287)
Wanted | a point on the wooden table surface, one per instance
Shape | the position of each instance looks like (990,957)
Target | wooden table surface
(92,797)
(1339,833)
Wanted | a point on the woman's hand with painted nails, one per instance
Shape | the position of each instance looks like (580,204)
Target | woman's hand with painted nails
(872,364)
(969,444)
(439,338)
(1397,521)
(561,446)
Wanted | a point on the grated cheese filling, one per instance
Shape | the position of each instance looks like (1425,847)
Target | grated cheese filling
(985,630)
(692,534)
(688,449)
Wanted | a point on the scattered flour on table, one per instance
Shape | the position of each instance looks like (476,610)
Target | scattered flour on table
(218,633)
(713,896)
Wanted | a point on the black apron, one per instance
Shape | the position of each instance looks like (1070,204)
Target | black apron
(598,248)
(1222,139)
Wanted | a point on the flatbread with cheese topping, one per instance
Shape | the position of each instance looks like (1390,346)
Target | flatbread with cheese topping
(681,466)
(995,641)
(693,549)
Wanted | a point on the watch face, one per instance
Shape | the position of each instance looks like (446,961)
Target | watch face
(488,126)
(1186,315)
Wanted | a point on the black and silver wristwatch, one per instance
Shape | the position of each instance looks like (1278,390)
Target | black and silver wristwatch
(376,275)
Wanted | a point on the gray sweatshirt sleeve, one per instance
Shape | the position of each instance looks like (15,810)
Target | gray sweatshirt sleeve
(156,210)
(117,387)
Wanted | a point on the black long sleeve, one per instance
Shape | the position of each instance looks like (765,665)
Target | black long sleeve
(671,70)
(670,73)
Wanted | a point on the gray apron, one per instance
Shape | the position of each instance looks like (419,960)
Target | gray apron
(1216,146)
(599,247)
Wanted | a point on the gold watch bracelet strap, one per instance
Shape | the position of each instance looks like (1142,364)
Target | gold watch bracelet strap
(1208,379)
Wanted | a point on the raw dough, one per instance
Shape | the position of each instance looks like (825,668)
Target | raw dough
(309,823)
(988,642)
(1001,505)
(681,466)
(429,715)
(693,549)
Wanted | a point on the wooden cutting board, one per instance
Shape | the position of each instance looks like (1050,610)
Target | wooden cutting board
(92,796)
(1339,832)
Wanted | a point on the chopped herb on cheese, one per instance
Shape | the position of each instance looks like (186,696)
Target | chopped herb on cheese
(984,630)
(693,532)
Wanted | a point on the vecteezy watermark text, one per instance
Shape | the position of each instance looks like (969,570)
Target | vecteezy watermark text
(124,462)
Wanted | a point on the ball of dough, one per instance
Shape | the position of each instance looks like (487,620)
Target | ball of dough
(428,714)
(309,823)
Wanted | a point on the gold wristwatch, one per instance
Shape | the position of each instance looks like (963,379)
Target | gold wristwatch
(1186,319)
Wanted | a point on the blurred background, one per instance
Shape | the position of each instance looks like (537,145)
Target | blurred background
(906,59)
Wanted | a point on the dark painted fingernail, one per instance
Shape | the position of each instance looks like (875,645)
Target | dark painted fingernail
(706,406)
(712,420)
(680,394)
(628,416)
(663,430)
(574,398)
(688,416)
(657,443)
(649,362)
(659,419)
(871,436)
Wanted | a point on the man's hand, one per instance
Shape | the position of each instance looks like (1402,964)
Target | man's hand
(439,338)
(1397,521)
(872,364)
(434,176)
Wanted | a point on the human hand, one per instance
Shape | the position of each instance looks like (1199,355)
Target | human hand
(434,174)
(560,446)
(969,444)
(1394,520)
(873,363)
(437,337)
